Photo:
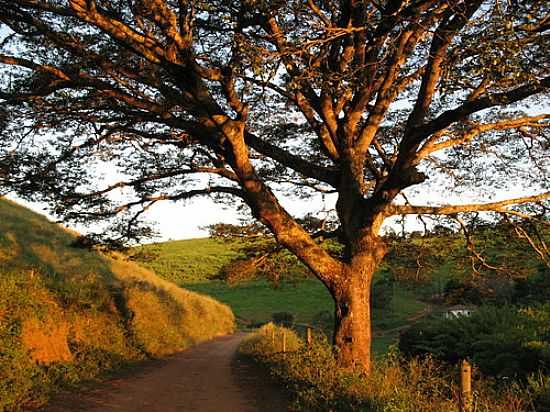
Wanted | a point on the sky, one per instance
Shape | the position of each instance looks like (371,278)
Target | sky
(172,220)
(187,220)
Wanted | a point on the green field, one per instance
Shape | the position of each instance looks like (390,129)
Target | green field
(189,260)
(256,301)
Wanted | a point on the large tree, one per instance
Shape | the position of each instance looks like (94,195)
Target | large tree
(370,100)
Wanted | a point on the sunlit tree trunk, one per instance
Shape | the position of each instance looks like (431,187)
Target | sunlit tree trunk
(352,298)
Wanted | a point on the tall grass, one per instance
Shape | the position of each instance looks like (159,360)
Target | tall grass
(394,385)
(69,314)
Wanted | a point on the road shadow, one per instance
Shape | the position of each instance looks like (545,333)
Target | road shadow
(258,385)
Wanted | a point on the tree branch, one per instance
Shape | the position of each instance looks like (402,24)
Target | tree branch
(297,163)
(453,209)
(499,99)
(432,146)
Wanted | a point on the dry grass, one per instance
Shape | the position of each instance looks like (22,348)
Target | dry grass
(47,341)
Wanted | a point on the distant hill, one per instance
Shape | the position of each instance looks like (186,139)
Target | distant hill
(68,314)
(430,260)
(188,260)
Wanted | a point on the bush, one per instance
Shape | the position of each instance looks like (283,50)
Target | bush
(285,319)
(501,341)
(533,289)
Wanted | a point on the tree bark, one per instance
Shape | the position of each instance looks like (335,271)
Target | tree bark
(352,297)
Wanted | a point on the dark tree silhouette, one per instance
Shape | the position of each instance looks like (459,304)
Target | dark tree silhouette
(366,99)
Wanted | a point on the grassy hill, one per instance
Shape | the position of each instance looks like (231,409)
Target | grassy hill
(69,314)
(188,260)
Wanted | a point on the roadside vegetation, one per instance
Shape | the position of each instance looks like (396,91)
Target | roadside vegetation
(506,341)
(396,384)
(69,314)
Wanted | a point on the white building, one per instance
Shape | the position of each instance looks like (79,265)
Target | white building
(457,311)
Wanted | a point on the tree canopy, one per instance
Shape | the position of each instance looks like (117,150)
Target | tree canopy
(370,100)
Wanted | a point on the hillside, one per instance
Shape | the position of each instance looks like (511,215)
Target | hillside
(188,260)
(69,314)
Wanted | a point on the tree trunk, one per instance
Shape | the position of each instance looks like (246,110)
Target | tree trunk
(352,332)
(352,297)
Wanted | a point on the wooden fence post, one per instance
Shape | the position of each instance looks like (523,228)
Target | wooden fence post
(465,386)
(309,338)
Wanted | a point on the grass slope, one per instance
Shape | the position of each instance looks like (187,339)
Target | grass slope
(188,260)
(68,314)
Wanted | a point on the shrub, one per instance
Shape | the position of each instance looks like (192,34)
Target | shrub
(533,289)
(501,341)
(285,319)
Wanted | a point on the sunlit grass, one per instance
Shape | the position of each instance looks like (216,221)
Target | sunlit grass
(394,384)
(189,260)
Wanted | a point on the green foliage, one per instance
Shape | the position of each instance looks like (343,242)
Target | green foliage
(394,384)
(382,293)
(285,319)
(441,258)
(460,292)
(500,341)
(534,288)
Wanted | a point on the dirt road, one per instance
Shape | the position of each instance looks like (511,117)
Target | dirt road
(208,377)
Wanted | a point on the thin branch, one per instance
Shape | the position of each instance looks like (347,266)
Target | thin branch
(432,146)
(471,247)
(461,112)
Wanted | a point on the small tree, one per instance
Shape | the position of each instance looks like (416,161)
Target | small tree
(364,99)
